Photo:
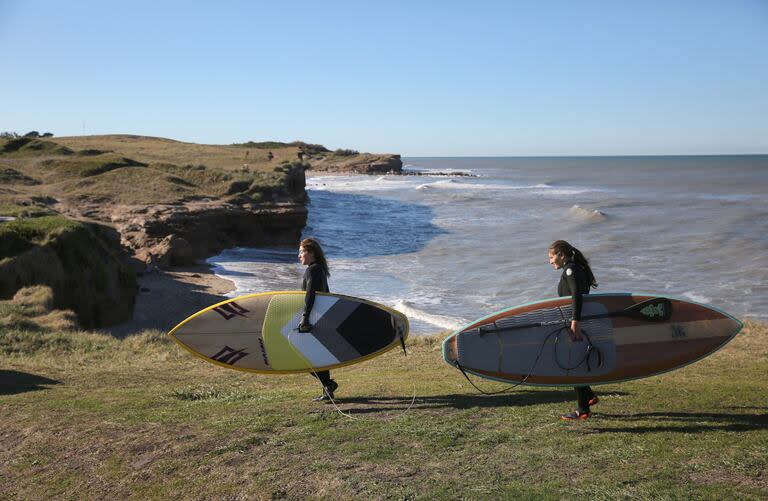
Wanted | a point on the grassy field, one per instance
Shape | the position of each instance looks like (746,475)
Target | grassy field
(89,416)
(133,170)
(161,150)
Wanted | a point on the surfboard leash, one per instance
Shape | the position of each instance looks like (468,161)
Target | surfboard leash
(530,372)
(591,348)
(348,415)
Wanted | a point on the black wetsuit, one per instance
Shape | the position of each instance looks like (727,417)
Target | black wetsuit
(574,282)
(315,281)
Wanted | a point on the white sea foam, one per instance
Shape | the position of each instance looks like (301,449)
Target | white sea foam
(696,297)
(445,184)
(589,214)
(443,321)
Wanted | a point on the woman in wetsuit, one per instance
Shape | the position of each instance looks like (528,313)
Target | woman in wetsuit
(315,280)
(576,280)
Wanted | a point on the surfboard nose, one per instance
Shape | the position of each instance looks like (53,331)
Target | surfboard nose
(450,349)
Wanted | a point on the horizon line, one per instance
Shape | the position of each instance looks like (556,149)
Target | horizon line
(618,155)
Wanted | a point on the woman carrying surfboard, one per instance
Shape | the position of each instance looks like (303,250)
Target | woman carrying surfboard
(315,280)
(577,279)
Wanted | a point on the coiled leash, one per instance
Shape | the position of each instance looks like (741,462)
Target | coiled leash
(591,349)
(522,381)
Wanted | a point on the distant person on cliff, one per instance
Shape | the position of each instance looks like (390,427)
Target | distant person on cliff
(577,279)
(315,280)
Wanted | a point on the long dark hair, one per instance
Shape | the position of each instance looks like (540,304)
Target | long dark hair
(313,246)
(568,251)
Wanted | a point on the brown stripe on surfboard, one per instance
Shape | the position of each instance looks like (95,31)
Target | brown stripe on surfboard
(654,357)
(564,379)
(649,333)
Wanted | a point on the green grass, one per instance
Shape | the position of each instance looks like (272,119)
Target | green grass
(137,170)
(22,234)
(84,166)
(89,416)
(164,184)
(19,210)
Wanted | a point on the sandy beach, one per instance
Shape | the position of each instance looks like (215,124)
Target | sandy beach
(168,297)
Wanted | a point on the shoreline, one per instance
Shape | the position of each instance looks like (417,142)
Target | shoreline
(170,296)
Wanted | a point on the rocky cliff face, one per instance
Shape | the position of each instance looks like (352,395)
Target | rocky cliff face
(183,232)
(177,235)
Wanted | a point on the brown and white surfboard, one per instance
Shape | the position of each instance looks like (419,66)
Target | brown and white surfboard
(627,337)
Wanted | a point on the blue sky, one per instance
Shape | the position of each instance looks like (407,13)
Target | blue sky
(419,78)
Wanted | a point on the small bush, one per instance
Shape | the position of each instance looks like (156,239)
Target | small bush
(263,145)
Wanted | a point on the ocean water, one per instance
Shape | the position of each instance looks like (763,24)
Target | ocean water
(445,250)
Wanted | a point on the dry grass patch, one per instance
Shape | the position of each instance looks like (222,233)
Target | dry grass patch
(168,151)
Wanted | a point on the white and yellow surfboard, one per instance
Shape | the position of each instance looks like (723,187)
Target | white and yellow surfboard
(259,332)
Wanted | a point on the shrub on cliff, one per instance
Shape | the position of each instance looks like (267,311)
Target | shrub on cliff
(346,153)
(310,149)
(27,146)
(263,145)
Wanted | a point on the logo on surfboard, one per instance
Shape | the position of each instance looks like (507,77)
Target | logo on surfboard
(231,310)
(229,355)
(653,310)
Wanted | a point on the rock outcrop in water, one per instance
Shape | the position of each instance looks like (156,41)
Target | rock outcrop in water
(365,163)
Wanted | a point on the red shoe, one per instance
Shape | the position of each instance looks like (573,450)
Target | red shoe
(572,416)
(594,400)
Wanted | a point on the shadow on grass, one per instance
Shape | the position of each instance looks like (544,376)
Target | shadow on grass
(14,382)
(357,405)
(685,422)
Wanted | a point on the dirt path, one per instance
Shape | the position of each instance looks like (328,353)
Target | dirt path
(168,297)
